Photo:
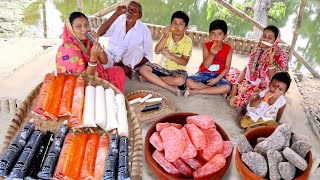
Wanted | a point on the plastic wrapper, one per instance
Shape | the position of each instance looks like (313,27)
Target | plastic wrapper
(40,154)
(13,151)
(53,108)
(122,115)
(123,165)
(110,169)
(65,156)
(111,107)
(100,108)
(67,96)
(88,163)
(52,156)
(89,106)
(77,104)
(44,96)
(101,156)
(74,168)
(20,168)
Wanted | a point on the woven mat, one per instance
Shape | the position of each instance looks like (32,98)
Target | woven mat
(167,107)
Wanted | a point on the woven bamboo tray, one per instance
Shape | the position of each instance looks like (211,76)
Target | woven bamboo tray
(167,107)
(24,114)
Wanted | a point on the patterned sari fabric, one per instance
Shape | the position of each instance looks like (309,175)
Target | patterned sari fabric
(73,56)
(256,78)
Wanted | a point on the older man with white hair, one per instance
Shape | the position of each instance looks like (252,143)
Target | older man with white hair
(130,41)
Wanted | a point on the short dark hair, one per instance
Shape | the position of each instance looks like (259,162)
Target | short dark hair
(75,15)
(182,15)
(282,77)
(219,24)
(274,29)
(138,4)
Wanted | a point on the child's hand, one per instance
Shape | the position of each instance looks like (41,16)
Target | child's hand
(215,48)
(213,51)
(267,96)
(212,81)
(166,31)
(166,53)
(214,44)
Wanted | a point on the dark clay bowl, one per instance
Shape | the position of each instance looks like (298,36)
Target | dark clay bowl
(156,169)
(252,136)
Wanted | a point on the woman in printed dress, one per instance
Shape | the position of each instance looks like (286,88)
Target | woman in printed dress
(77,54)
(267,59)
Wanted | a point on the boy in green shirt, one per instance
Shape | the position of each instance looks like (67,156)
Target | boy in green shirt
(175,47)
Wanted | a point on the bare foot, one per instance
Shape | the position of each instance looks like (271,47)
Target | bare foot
(174,90)
(187,93)
(178,92)
(225,95)
(142,79)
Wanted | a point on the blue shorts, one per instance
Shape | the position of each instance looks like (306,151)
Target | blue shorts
(204,77)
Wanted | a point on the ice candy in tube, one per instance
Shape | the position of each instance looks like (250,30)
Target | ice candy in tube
(100,108)
(112,122)
(77,104)
(67,96)
(89,106)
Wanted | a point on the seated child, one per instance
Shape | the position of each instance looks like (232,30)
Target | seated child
(267,107)
(175,47)
(216,64)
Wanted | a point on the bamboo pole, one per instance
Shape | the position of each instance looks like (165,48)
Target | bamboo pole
(80,5)
(306,64)
(240,14)
(297,28)
(111,8)
(260,26)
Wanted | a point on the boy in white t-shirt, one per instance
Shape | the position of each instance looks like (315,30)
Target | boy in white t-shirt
(267,107)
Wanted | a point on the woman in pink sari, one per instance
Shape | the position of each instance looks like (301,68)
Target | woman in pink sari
(77,54)
(264,62)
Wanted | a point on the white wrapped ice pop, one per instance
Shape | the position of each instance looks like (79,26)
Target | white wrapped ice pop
(122,115)
(88,111)
(111,107)
(100,108)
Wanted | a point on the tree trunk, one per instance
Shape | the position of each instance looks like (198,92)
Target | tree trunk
(44,14)
(297,28)
(260,14)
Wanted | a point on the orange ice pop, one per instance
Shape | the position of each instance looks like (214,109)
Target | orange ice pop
(77,104)
(67,96)
(53,108)
(173,29)
(73,171)
(65,156)
(44,96)
(214,44)
(101,156)
(88,163)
